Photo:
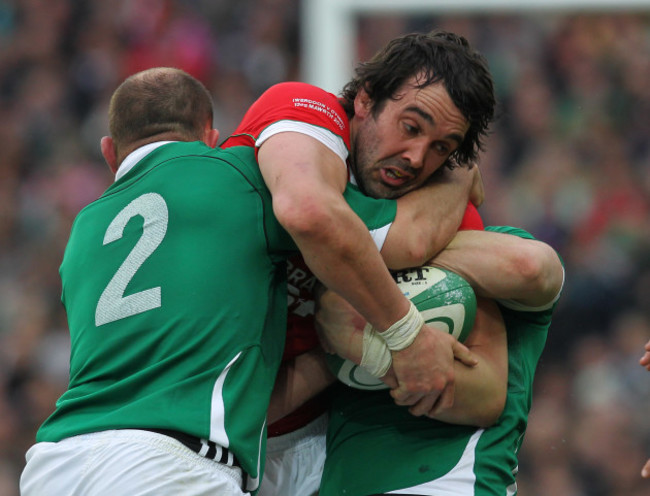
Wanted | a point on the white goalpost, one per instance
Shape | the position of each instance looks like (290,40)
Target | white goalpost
(329,27)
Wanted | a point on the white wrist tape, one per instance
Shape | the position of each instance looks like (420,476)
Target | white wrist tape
(403,332)
(376,357)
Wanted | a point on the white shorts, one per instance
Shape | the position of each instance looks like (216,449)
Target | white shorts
(124,463)
(294,461)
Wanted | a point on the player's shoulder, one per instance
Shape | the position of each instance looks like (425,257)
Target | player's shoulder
(298,89)
(302,97)
(291,102)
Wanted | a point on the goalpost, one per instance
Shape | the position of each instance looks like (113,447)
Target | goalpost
(329,27)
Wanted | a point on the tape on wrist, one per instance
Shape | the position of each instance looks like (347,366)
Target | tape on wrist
(403,332)
(376,357)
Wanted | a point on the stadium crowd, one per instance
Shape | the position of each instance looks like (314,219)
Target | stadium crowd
(569,160)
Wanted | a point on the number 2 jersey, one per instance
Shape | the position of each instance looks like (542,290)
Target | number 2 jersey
(175,288)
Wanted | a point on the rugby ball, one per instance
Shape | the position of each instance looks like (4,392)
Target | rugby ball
(444,299)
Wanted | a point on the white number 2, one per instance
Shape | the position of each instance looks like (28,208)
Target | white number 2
(112,304)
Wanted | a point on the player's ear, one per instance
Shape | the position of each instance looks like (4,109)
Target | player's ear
(211,137)
(108,152)
(362,103)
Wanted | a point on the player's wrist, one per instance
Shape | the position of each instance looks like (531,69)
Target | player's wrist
(402,333)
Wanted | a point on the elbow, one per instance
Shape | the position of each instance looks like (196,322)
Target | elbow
(302,217)
(491,414)
(415,253)
(412,250)
(541,271)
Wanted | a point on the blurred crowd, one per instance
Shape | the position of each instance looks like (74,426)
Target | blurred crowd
(568,160)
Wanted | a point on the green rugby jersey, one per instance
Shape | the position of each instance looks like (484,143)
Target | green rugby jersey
(375,446)
(174,284)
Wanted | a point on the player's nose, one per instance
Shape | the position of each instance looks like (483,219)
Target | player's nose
(416,153)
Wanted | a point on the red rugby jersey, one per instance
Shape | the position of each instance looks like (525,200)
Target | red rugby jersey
(303,103)
(297,103)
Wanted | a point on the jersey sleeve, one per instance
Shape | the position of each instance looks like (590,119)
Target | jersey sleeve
(471,220)
(292,101)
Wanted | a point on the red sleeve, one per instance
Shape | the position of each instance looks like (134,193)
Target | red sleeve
(294,101)
(471,220)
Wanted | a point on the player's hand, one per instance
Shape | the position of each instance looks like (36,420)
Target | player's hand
(428,405)
(426,368)
(645,361)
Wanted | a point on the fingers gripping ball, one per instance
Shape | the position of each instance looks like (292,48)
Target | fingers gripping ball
(444,299)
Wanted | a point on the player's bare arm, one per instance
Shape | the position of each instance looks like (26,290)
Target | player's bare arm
(298,381)
(480,390)
(504,266)
(428,218)
(306,181)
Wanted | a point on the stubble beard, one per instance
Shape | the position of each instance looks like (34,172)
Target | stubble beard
(364,168)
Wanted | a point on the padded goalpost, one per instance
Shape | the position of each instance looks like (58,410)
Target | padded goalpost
(329,27)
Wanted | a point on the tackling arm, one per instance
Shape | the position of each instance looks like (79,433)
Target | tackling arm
(481,390)
(504,266)
(428,218)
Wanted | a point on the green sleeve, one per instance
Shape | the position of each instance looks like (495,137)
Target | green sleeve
(375,213)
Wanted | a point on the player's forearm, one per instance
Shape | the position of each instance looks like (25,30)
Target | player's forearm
(298,381)
(339,326)
(504,266)
(427,219)
(307,181)
(339,250)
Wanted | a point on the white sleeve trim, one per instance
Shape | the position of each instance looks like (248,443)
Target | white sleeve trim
(379,235)
(515,305)
(325,136)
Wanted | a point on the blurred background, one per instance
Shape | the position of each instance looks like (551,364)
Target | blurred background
(568,160)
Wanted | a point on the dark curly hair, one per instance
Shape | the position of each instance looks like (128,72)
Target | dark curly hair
(435,56)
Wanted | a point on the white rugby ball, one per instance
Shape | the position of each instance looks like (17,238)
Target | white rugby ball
(444,299)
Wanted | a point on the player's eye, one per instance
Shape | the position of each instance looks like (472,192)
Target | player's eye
(442,147)
(410,129)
